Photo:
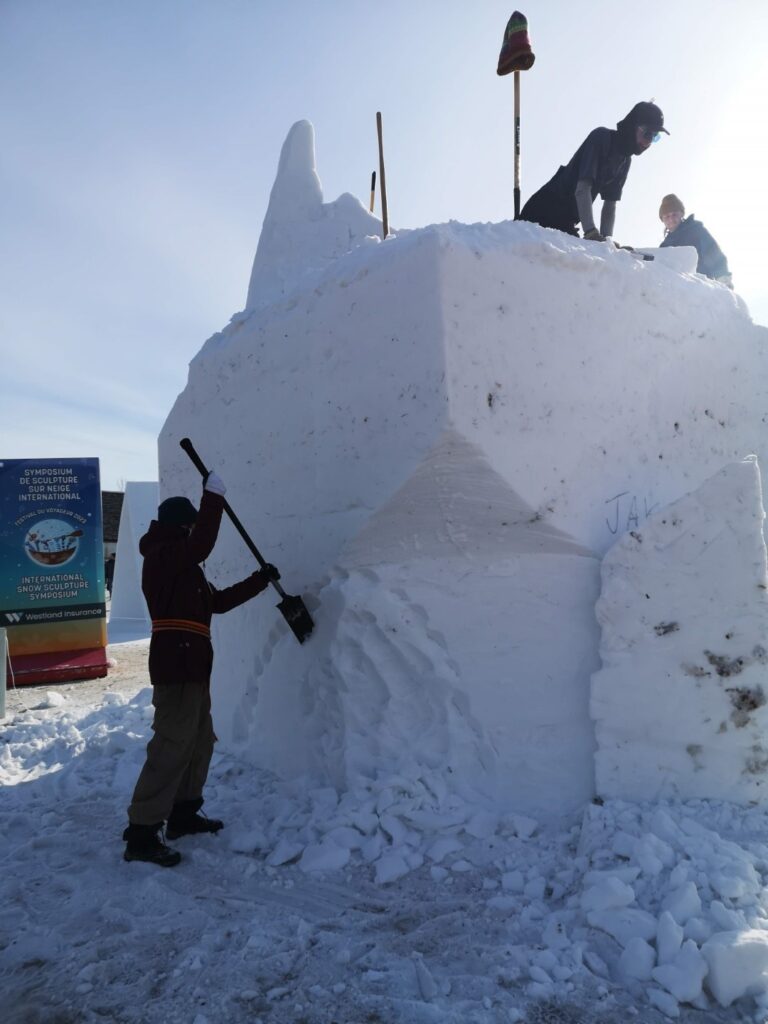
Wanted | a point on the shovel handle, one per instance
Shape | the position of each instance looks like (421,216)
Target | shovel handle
(189,448)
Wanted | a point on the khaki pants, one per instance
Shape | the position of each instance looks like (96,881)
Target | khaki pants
(178,755)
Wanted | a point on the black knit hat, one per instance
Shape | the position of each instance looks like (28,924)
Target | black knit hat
(647,114)
(177,512)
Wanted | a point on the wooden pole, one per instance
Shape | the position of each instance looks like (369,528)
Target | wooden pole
(382,179)
(517,145)
(373,191)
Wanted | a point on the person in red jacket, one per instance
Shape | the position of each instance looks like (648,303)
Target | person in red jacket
(181,603)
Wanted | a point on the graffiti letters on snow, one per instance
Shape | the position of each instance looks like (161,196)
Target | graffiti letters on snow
(626,511)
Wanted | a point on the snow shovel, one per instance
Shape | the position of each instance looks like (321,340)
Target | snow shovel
(293,609)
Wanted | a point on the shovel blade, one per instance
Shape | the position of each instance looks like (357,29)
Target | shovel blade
(295,613)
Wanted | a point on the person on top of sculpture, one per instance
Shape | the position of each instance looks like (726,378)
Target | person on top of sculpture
(181,602)
(598,167)
(682,230)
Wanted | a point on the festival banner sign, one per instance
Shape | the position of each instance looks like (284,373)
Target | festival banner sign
(52,598)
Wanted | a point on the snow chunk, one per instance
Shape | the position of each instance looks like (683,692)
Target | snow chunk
(698,929)
(735,884)
(685,975)
(324,856)
(522,825)
(624,924)
(443,846)
(726,919)
(390,867)
(426,983)
(513,881)
(611,892)
(249,840)
(669,937)
(285,851)
(664,1001)
(683,903)
(637,959)
(738,964)
(52,699)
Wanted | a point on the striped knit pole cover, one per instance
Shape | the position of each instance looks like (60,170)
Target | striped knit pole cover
(516,56)
(516,53)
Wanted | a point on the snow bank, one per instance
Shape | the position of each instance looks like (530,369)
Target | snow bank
(589,386)
(680,703)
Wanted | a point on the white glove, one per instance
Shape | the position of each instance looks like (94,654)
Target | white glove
(215,483)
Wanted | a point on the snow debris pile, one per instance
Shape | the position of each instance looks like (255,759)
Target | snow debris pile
(325,905)
(680,702)
(685,905)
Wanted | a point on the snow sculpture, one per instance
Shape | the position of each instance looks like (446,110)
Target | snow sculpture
(128,614)
(681,703)
(295,203)
(577,386)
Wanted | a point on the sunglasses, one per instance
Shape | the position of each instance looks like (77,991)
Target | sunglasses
(651,134)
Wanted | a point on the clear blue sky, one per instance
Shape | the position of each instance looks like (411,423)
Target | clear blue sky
(140,141)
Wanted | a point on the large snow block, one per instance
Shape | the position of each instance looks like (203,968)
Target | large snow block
(458,634)
(596,386)
(680,704)
(738,964)
(129,616)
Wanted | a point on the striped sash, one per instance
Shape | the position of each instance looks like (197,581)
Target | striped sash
(187,625)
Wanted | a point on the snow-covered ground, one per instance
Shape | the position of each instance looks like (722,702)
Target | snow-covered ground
(490,921)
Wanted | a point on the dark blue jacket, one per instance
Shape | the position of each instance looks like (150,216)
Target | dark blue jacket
(712,261)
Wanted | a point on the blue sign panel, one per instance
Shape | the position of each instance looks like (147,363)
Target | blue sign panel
(51,551)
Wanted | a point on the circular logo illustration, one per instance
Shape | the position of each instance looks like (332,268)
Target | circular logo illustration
(52,542)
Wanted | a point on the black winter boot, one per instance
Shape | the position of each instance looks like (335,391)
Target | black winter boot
(185,821)
(144,842)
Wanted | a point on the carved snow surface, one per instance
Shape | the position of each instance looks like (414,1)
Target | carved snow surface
(286,251)
(435,649)
(680,703)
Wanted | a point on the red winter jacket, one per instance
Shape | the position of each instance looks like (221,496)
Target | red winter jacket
(180,599)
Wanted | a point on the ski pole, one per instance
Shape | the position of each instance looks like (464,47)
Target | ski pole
(382,179)
(516,55)
(517,145)
(373,190)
